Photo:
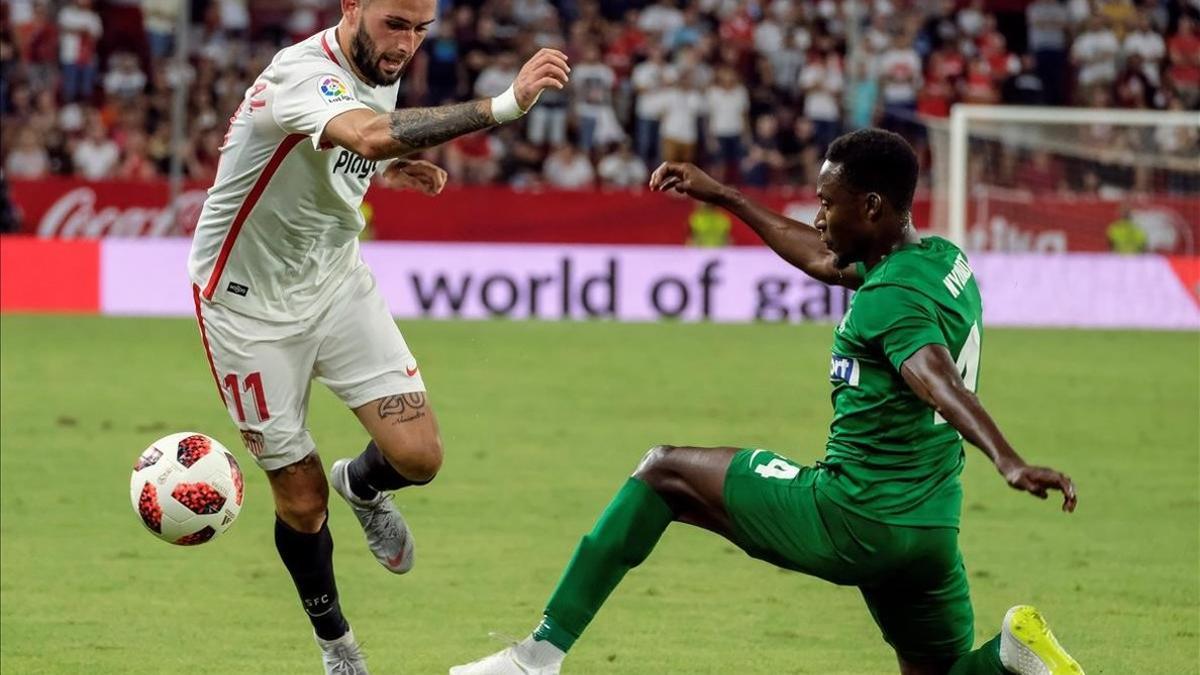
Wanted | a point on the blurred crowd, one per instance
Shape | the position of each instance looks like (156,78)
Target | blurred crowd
(754,90)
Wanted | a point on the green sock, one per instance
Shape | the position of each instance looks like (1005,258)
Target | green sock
(622,538)
(982,661)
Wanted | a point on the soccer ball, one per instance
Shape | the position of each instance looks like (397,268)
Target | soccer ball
(186,488)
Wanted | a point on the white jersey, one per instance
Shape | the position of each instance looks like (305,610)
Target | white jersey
(279,229)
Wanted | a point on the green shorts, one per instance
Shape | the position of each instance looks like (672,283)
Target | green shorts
(912,578)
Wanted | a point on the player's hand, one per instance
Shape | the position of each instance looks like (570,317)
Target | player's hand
(416,174)
(687,179)
(1039,480)
(547,69)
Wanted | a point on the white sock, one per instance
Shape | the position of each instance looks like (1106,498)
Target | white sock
(538,653)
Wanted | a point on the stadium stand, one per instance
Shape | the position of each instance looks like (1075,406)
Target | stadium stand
(752,90)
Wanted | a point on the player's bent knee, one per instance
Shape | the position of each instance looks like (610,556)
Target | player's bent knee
(425,462)
(303,512)
(418,462)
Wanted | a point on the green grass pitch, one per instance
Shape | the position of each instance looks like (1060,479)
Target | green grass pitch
(542,423)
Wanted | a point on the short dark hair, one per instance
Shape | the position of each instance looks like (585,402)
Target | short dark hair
(874,160)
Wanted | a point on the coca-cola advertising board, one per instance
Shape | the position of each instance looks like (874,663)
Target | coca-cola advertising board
(1010,222)
(71,208)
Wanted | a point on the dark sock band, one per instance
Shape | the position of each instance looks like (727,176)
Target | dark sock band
(370,473)
(309,559)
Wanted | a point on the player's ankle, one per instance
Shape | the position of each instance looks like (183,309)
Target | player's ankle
(357,474)
(550,632)
(331,627)
(537,652)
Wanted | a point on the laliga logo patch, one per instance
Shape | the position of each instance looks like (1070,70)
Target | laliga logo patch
(334,91)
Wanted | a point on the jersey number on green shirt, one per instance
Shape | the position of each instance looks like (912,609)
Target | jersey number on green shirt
(968,365)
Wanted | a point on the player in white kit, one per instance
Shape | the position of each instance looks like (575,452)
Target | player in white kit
(283,297)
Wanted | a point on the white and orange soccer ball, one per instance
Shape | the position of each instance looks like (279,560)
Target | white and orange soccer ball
(186,488)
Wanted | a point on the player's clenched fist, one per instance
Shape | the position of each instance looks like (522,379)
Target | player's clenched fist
(547,69)
(687,179)
(416,175)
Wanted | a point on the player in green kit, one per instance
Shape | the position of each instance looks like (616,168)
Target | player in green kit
(881,511)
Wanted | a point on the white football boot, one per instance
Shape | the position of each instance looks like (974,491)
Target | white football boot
(342,656)
(508,662)
(388,535)
(1027,647)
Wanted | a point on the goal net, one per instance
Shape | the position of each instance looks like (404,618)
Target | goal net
(1017,178)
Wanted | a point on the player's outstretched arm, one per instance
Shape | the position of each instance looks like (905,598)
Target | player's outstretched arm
(798,243)
(932,375)
(402,132)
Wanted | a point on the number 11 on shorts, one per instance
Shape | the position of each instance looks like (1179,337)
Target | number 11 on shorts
(253,382)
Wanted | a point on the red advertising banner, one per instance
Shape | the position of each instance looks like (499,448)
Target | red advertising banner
(66,207)
(1014,221)
(1008,222)
(73,208)
(497,214)
(49,275)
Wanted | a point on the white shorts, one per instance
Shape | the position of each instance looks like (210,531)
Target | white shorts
(264,369)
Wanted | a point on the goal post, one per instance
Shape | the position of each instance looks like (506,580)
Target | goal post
(1078,169)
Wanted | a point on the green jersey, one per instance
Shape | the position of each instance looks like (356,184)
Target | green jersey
(889,456)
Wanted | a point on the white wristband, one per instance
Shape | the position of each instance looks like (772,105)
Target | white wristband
(505,107)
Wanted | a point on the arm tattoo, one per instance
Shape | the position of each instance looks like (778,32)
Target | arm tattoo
(403,407)
(419,128)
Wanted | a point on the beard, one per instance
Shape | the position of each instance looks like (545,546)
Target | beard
(366,59)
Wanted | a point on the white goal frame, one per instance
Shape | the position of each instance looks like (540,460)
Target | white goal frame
(961,116)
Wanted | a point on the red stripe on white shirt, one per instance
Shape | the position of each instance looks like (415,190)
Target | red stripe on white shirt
(247,206)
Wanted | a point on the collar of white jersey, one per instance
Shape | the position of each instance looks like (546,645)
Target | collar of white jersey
(333,50)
